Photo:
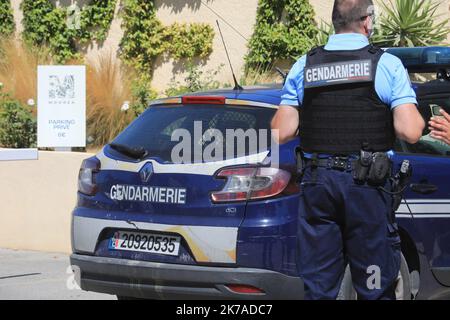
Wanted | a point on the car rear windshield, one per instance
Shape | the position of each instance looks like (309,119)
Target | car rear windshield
(155,129)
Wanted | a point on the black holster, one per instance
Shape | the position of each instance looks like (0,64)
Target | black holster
(373,168)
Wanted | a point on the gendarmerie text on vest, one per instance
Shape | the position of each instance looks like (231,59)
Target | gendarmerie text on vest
(340,71)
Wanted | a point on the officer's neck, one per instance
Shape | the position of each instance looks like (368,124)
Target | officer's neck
(362,33)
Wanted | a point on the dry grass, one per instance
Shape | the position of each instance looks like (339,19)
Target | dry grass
(18,68)
(107,90)
(107,87)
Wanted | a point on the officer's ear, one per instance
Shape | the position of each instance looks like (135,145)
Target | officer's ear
(368,25)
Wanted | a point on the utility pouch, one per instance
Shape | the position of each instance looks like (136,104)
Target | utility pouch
(361,167)
(380,170)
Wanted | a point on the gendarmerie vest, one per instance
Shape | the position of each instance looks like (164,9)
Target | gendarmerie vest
(341,110)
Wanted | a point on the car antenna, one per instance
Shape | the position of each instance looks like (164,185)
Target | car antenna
(282,73)
(237,87)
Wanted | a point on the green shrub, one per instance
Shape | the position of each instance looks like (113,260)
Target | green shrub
(17,125)
(143,35)
(277,38)
(96,19)
(6,18)
(142,95)
(46,24)
(145,38)
(189,41)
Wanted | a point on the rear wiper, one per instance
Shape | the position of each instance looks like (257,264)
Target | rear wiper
(133,152)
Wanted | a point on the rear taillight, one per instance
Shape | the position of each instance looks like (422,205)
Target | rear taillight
(248,183)
(244,289)
(86,176)
(203,100)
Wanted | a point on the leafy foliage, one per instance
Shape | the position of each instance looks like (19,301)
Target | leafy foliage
(189,41)
(142,94)
(146,38)
(143,37)
(275,38)
(95,20)
(17,124)
(409,23)
(45,24)
(6,18)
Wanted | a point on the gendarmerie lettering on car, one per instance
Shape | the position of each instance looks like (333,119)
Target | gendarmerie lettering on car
(148,194)
(338,73)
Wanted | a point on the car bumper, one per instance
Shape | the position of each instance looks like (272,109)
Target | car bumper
(442,275)
(142,279)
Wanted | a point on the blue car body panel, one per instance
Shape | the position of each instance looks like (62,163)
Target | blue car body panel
(267,229)
(433,232)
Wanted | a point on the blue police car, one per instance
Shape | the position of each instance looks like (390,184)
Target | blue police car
(147,227)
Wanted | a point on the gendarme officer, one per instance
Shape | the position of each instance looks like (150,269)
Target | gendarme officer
(347,101)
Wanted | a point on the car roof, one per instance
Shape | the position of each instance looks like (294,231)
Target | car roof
(270,93)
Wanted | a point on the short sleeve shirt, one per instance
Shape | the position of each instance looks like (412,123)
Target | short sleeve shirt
(392,82)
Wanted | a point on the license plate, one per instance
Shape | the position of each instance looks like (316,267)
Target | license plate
(145,242)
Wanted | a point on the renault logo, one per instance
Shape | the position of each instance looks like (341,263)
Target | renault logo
(146,172)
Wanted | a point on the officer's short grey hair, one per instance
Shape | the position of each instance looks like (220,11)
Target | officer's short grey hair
(347,14)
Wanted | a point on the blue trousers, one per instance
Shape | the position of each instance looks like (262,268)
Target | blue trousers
(341,222)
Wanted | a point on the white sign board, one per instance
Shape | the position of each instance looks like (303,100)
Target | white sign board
(61,106)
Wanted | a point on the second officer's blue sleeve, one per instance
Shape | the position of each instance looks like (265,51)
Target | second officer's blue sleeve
(293,88)
(392,82)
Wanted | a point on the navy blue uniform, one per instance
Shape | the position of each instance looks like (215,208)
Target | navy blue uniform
(340,221)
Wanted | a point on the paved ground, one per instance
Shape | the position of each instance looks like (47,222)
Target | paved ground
(36,275)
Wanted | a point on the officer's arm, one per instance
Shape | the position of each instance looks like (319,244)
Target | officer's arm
(408,123)
(395,89)
(285,124)
(286,121)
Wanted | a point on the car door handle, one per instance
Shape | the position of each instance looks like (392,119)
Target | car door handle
(423,188)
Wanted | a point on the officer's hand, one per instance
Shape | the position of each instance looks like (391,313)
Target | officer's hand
(440,127)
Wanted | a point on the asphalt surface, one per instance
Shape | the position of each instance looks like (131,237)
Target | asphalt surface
(29,275)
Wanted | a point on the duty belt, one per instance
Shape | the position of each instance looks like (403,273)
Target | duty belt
(334,163)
